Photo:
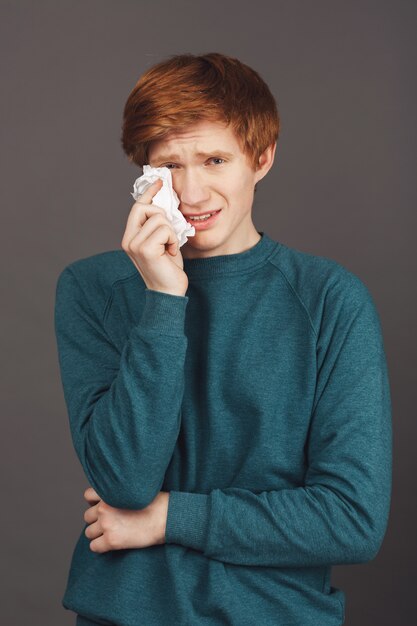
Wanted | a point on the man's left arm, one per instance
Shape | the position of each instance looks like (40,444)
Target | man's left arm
(340,513)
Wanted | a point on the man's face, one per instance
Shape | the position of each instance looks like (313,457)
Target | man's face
(211,173)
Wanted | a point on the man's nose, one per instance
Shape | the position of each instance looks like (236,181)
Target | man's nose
(190,188)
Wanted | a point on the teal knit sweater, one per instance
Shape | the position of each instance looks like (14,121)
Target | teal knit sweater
(260,401)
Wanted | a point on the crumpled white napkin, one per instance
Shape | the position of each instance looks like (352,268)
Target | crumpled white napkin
(166,198)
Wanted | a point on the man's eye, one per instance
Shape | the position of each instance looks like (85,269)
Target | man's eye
(168,165)
(217,159)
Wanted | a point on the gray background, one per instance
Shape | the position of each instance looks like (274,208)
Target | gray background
(343,186)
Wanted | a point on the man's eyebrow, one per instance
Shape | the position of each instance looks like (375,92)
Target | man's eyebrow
(176,157)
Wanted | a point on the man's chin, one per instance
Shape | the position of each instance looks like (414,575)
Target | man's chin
(203,243)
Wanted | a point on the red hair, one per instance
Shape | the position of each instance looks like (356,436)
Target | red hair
(186,89)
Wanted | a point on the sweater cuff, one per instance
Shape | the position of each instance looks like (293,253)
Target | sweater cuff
(187,519)
(164,312)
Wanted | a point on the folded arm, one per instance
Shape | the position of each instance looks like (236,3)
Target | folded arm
(124,408)
(339,515)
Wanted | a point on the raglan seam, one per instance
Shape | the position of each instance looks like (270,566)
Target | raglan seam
(113,286)
(87,301)
(298,297)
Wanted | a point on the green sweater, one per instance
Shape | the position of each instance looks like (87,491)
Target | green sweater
(260,401)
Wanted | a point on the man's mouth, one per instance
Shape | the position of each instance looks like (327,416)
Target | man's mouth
(200,217)
(203,221)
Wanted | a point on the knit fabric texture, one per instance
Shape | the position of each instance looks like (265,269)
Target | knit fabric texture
(260,401)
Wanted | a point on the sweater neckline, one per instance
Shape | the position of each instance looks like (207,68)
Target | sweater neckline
(237,262)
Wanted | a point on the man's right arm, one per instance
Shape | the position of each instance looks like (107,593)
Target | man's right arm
(124,408)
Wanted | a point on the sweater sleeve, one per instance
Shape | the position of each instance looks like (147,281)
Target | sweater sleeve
(339,514)
(124,407)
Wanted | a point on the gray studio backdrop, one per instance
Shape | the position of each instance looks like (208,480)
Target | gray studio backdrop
(342,186)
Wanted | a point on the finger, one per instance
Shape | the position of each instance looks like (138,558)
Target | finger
(93,531)
(161,237)
(92,501)
(138,216)
(91,495)
(141,241)
(99,545)
(151,191)
(91,515)
(154,238)
(155,221)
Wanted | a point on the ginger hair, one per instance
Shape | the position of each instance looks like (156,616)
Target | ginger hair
(185,89)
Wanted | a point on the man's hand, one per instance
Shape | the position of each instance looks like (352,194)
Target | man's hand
(117,529)
(153,246)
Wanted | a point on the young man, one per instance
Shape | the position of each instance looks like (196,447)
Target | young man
(228,400)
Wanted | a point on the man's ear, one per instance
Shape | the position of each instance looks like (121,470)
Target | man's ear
(266,161)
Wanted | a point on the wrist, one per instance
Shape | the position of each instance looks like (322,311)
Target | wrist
(162,516)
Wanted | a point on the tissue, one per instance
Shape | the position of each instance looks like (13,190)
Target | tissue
(166,199)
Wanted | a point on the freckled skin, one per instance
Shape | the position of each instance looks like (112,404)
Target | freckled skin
(204,184)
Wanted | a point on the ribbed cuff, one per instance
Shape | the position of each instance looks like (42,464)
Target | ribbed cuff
(187,519)
(164,312)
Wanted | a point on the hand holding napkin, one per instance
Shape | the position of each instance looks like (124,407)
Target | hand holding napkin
(166,198)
